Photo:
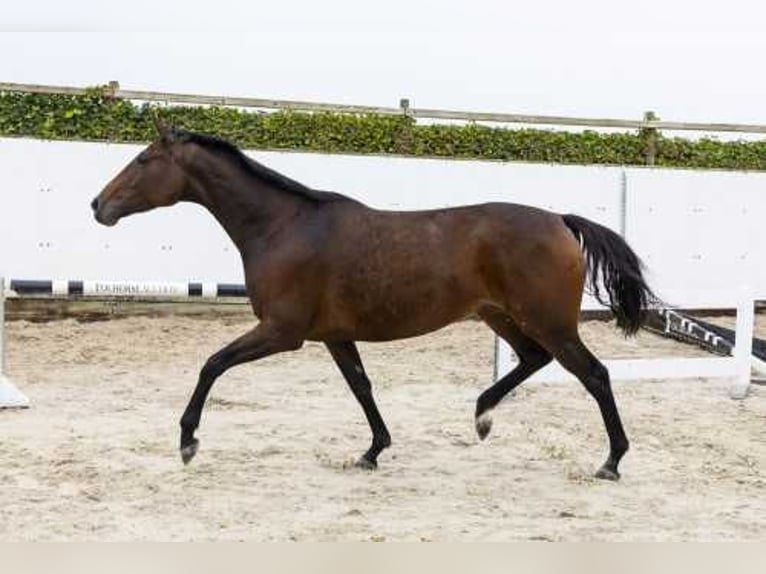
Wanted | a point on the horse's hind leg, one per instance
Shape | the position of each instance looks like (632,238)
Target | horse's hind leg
(350,364)
(577,359)
(532,357)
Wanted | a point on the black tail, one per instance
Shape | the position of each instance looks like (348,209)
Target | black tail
(611,263)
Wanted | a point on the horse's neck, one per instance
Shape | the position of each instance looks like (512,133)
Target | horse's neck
(249,209)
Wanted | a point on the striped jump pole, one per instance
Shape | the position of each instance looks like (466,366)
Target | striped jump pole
(10,396)
(79,288)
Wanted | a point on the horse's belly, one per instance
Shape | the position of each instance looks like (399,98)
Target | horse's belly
(390,316)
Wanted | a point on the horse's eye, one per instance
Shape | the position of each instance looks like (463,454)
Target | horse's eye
(142,158)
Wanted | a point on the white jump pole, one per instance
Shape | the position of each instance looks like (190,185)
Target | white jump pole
(10,396)
(743,344)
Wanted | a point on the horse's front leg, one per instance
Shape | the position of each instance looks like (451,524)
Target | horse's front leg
(264,340)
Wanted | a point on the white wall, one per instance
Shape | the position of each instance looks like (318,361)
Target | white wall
(701,229)
(695,229)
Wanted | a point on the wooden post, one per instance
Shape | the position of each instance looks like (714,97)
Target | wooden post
(404,136)
(404,105)
(649,137)
(110,90)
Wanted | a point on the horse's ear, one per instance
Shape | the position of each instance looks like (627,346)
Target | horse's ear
(166,132)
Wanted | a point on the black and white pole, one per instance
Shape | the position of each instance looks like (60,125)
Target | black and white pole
(10,396)
(126,289)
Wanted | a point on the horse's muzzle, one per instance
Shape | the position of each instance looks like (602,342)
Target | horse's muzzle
(98,214)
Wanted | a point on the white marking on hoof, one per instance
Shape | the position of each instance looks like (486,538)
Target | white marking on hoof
(188,451)
(484,424)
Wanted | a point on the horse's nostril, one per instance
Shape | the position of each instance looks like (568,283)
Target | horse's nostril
(94,204)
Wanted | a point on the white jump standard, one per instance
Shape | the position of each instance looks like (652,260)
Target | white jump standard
(10,396)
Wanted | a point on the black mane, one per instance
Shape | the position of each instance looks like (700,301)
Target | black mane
(257,169)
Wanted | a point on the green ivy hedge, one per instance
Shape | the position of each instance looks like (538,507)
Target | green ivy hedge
(95,116)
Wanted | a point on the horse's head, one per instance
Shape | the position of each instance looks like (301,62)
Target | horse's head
(152,179)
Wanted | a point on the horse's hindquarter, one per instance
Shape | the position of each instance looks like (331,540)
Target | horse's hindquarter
(389,275)
(535,270)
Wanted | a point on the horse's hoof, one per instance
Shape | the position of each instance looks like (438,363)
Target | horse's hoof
(483,425)
(188,451)
(365,464)
(607,474)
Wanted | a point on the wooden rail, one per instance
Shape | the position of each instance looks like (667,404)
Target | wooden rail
(113,90)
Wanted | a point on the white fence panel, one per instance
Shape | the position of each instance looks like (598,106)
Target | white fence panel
(698,230)
(694,230)
(47,230)
(415,183)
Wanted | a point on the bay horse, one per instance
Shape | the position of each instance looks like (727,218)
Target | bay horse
(321,266)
